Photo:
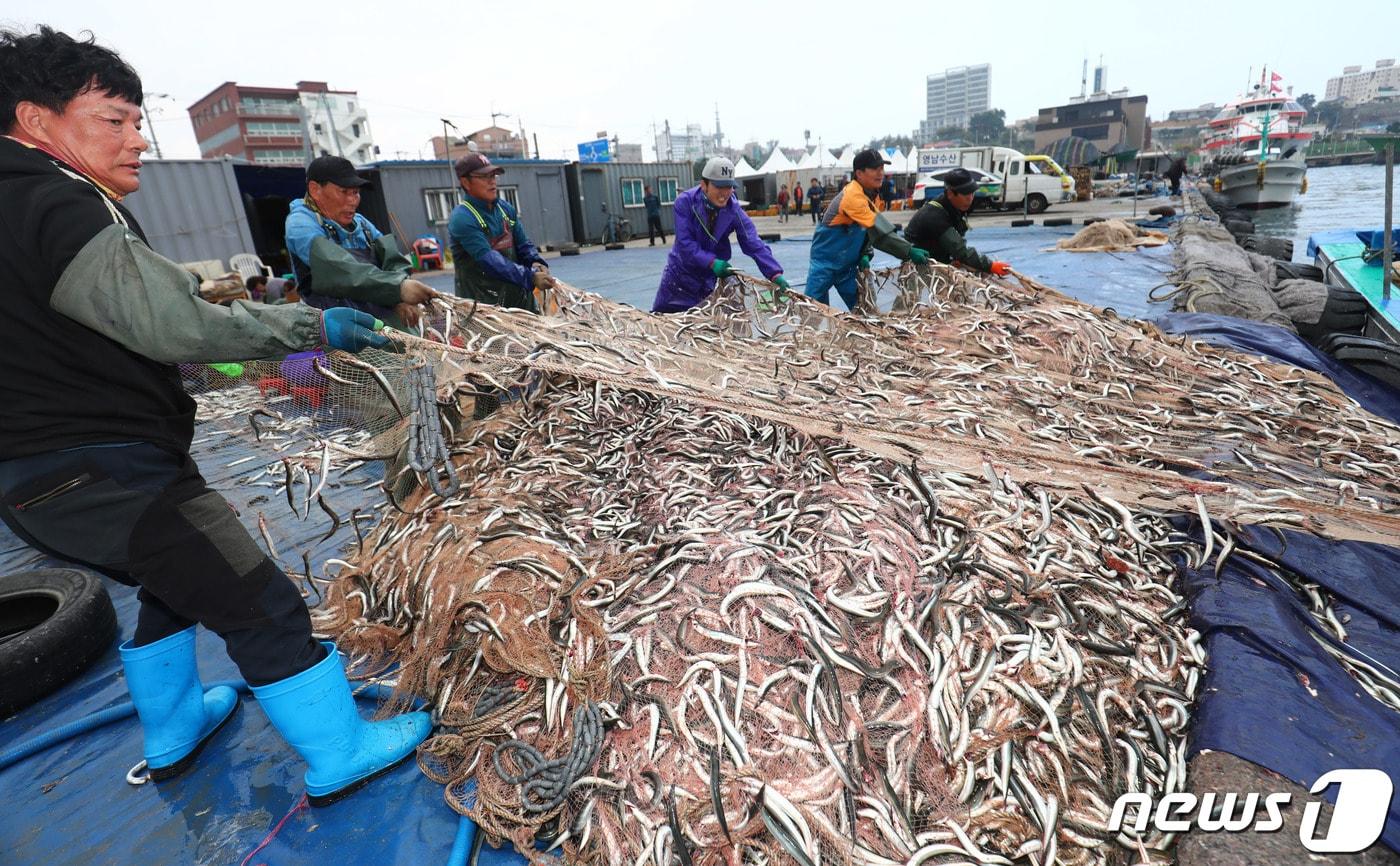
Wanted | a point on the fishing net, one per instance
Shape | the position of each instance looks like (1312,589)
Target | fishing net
(764,583)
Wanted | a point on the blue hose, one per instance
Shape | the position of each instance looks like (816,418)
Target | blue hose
(462,845)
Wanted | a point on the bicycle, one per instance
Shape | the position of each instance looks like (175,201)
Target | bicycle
(616,229)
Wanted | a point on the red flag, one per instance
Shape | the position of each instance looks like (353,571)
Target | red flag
(1274,76)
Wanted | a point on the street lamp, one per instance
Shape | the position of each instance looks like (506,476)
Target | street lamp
(145,101)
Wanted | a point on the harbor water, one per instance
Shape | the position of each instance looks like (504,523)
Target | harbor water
(1338,197)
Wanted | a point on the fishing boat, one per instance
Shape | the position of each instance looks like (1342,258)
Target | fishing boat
(1254,147)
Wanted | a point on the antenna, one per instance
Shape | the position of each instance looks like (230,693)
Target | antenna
(1084,79)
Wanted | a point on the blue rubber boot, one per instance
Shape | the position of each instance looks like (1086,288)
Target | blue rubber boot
(178,717)
(315,713)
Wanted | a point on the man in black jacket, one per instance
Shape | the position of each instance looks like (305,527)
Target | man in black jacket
(940,226)
(94,446)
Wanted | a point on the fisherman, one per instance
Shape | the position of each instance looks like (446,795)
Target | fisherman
(941,225)
(95,466)
(495,261)
(851,228)
(340,258)
(705,216)
(1174,174)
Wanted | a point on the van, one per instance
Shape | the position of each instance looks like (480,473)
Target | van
(1026,182)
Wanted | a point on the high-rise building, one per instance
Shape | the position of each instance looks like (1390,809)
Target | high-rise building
(1355,87)
(956,95)
(282,125)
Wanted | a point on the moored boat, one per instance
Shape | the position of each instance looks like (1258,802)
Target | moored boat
(1255,147)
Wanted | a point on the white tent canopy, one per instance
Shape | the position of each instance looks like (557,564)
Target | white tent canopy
(846,161)
(777,163)
(742,170)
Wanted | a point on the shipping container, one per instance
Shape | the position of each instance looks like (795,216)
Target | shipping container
(618,186)
(191,210)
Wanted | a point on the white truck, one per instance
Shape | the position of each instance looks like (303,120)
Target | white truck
(1030,182)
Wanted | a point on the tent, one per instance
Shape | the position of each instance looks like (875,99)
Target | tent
(742,169)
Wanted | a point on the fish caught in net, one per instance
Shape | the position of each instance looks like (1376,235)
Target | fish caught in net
(764,583)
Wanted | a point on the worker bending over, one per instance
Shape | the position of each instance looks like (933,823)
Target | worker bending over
(705,215)
(340,258)
(940,226)
(494,260)
(94,452)
(850,229)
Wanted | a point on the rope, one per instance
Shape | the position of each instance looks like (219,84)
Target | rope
(427,450)
(543,783)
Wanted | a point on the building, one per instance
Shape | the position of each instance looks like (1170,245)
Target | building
(1107,120)
(282,125)
(1184,128)
(496,142)
(953,97)
(1355,87)
(690,145)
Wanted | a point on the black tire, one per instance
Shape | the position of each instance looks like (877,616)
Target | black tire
(1277,248)
(54,623)
(1239,228)
(1344,314)
(624,232)
(1057,221)
(770,237)
(569,251)
(614,246)
(1088,221)
(1016,224)
(1298,271)
(1036,203)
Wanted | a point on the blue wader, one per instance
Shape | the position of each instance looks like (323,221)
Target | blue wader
(835,254)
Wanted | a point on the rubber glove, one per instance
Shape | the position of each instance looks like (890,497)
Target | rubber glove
(864,263)
(1001,269)
(918,256)
(721,268)
(781,280)
(351,330)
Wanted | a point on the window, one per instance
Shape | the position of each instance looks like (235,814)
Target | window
(440,203)
(350,106)
(666,189)
(279,157)
(355,130)
(631,192)
(510,194)
(282,129)
(318,129)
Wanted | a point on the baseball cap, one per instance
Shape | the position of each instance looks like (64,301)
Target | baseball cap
(334,169)
(476,163)
(960,181)
(720,172)
(868,159)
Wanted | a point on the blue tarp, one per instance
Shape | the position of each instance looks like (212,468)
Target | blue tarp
(70,804)
(1271,694)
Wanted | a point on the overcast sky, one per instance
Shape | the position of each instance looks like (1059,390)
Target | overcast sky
(847,71)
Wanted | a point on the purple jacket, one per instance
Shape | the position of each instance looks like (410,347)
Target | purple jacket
(688,279)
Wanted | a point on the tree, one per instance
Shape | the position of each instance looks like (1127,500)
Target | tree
(987,127)
(1394,128)
(1307,100)
(950,132)
(1329,112)
(903,142)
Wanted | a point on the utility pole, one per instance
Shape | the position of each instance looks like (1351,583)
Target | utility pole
(536,137)
(149,125)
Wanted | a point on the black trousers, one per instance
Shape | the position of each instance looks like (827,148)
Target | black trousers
(144,516)
(654,228)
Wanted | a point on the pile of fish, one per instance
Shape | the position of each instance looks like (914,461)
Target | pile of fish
(763,583)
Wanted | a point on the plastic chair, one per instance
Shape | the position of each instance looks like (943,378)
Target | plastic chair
(249,265)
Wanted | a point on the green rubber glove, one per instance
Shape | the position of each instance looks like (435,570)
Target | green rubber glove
(781,280)
(864,263)
(721,268)
(918,256)
(233,371)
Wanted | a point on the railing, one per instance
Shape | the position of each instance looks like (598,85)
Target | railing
(289,109)
(291,140)
(1332,147)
